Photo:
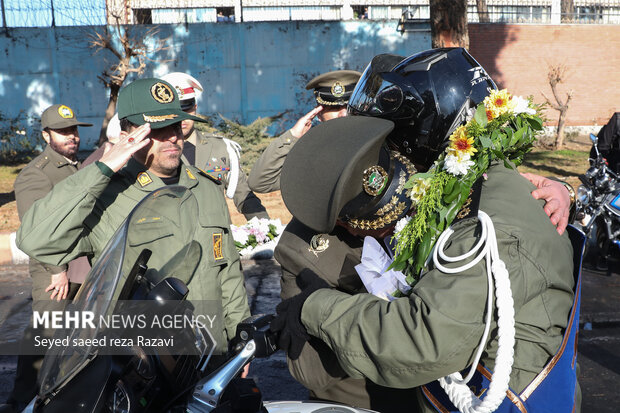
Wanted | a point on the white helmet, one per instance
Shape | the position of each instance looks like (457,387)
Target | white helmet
(113,131)
(188,88)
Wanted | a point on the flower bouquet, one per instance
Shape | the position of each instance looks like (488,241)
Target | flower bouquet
(257,238)
(502,128)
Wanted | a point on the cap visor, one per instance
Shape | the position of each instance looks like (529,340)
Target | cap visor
(65,123)
(162,118)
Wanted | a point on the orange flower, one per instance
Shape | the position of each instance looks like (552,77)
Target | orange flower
(461,143)
(498,103)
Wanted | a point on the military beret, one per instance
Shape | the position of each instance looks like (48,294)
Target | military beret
(342,169)
(60,116)
(334,88)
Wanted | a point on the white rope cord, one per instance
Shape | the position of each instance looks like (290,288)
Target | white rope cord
(454,385)
(234,154)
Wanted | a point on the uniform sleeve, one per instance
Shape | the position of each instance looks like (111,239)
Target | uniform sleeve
(52,230)
(234,296)
(411,340)
(265,175)
(30,186)
(246,201)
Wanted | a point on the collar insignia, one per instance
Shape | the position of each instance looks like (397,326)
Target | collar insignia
(190,174)
(337,89)
(375,179)
(318,243)
(162,93)
(144,179)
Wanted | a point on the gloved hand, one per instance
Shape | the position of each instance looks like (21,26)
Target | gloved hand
(287,322)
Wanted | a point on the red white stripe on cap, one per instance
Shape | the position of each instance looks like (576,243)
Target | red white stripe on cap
(187,90)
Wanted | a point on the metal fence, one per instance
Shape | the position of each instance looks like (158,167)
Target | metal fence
(46,13)
(50,13)
(546,11)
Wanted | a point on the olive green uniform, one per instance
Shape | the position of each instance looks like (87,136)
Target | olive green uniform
(265,175)
(34,182)
(82,213)
(211,155)
(436,330)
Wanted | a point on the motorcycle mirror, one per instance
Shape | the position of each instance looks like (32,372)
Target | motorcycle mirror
(593,138)
(168,289)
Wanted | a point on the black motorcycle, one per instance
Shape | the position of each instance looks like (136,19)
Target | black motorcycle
(598,205)
(112,357)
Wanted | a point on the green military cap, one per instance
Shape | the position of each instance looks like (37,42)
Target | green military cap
(151,101)
(334,88)
(60,116)
(342,169)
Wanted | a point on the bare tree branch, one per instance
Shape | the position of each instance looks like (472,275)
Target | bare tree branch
(555,76)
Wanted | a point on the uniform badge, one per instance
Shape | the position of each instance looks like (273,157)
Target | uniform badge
(217,246)
(375,179)
(337,89)
(318,244)
(190,174)
(162,93)
(144,179)
(180,92)
(65,112)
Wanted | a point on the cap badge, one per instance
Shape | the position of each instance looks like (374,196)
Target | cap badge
(144,179)
(65,112)
(162,93)
(337,89)
(375,179)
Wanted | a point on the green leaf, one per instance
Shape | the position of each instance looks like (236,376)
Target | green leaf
(517,136)
(486,142)
(448,188)
(455,191)
(481,115)
(535,122)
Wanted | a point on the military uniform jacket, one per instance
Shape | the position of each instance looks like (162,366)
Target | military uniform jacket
(211,155)
(265,175)
(436,330)
(82,213)
(333,257)
(34,182)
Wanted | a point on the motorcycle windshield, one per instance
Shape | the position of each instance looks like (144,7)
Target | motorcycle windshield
(164,223)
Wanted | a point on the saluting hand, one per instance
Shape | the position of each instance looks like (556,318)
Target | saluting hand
(304,123)
(128,144)
(59,286)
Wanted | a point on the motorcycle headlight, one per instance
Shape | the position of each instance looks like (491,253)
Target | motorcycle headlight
(584,195)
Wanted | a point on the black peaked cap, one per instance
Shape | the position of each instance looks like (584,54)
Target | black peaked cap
(325,168)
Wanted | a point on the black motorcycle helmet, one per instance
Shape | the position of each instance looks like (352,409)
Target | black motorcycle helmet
(426,95)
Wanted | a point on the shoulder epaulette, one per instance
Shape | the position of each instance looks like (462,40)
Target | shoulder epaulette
(206,175)
(42,162)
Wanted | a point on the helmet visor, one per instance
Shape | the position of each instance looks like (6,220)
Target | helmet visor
(375,94)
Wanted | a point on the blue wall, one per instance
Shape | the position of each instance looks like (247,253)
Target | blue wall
(248,70)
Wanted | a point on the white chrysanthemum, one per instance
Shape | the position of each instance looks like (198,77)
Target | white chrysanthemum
(240,235)
(400,225)
(457,163)
(522,106)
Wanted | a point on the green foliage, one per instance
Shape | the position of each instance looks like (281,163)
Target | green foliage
(15,145)
(253,137)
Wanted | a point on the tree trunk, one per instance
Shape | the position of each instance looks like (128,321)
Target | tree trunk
(483,11)
(567,8)
(559,139)
(109,112)
(449,23)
